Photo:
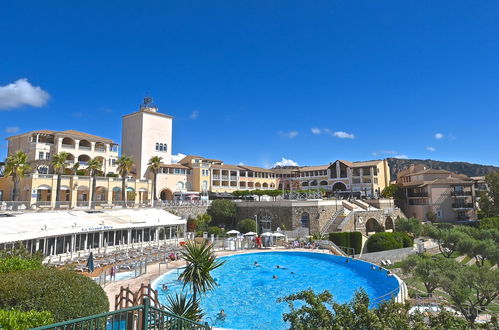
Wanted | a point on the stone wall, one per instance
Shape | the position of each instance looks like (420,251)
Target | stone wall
(187,212)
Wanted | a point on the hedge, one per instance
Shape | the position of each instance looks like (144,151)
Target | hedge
(347,239)
(388,241)
(17,320)
(65,294)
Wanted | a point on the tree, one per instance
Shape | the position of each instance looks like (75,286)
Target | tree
(274,193)
(448,240)
(246,225)
(201,261)
(125,165)
(202,221)
(470,288)
(59,163)
(181,306)
(427,269)
(395,192)
(93,167)
(489,201)
(412,226)
(75,168)
(154,165)
(222,211)
(16,166)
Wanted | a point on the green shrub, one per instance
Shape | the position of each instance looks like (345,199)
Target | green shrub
(246,225)
(383,242)
(217,231)
(340,239)
(404,239)
(112,175)
(356,241)
(489,223)
(67,295)
(18,320)
(19,259)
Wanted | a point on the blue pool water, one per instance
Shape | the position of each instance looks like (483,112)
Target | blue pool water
(248,294)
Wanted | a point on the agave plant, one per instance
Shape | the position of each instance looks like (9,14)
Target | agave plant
(181,306)
(200,262)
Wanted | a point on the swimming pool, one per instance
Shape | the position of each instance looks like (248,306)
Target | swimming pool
(248,294)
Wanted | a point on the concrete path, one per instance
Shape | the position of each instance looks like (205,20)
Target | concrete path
(392,255)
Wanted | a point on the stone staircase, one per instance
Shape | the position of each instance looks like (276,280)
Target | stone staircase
(335,219)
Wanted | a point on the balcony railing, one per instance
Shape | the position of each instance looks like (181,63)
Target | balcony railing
(84,148)
(233,178)
(216,177)
(100,149)
(417,194)
(68,146)
(464,193)
(462,205)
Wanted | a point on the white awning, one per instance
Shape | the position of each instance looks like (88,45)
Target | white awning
(44,187)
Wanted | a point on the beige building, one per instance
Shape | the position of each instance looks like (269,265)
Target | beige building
(449,196)
(358,179)
(81,147)
(147,133)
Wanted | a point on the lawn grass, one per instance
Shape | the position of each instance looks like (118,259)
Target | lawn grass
(465,260)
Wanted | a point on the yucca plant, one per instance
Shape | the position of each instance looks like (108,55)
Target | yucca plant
(178,304)
(200,262)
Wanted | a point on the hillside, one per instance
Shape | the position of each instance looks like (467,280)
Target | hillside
(468,169)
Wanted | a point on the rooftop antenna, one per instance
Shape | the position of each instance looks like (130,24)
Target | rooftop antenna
(148,104)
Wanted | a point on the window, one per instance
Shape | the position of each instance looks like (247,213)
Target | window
(157,146)
(43,169)
(47,155)
(161,147)
(40,155)
(304,220)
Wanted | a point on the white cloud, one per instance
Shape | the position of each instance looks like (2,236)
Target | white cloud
(432,149)
(289,135)
(194,114)
(401,157)
(384,152)
(12,129)
(316,131)
(439,136)
(344,135)
(241,164)
(176,158)
(22,93)
(285,162)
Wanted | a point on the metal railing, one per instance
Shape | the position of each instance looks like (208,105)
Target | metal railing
(141,317)
(464,193)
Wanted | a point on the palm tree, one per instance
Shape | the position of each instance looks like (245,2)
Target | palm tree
(200,262)
(94,166)
(59,163)
(154,165)
(125,165)
(181,306)
(16,166)
(75,168)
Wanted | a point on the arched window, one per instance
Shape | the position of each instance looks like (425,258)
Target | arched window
(161,147)
(43,169)
(157,146)
(164,147)
(180,185)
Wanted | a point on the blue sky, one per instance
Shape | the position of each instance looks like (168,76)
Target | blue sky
(256,81)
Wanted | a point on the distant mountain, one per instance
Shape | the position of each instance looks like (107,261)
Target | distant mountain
(468,169)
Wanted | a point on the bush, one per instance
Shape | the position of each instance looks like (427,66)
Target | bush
(383,242)
(246,225)
(222,211)
(356,241)
(19,259)
(67,295)
(217,231)
(347,239)
(404,239)
(17,320)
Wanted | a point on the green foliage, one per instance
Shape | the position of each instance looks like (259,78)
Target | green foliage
(217,231)
(383,242)
(191,225)
(427,269)
(18,320)
(319,311)
(222,211)
(347,239)
(411,226)
(181,306)
(202,221)
(489,223)
(66,294)
(201,261)
(112,175)
(246,225)
(81,172)
(404,239)
(395,192)
(19,259)
(489,201)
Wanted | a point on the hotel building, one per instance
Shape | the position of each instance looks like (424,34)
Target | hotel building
(450,196)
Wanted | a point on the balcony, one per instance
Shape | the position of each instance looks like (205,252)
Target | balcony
(84,148)
(225,177)
(417,194)
(68,146)
(216,177)
(465,193)
(233,178)
(99,149)
(462,205)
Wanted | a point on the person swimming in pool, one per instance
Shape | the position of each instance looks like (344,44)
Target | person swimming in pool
(280,267)
(275,277)
(165,287)
(256,264)
(221,315)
